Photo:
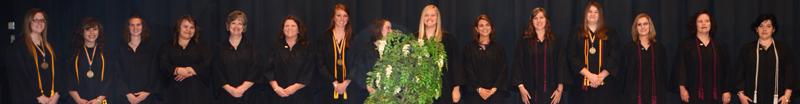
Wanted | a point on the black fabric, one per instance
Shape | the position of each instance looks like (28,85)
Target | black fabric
(708,76)
(646,79)
(195,89)
(766,71)
(138,72)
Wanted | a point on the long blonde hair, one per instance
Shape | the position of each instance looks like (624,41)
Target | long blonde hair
(438,34)
(635,34)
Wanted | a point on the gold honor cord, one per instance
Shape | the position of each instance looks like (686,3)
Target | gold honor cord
(102,72)
(339,48)
(39,74)
(586,60)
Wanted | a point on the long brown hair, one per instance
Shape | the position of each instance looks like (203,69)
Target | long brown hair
(301,30)
(27,30)
(348,29)
(530,32)
(601,28)
(127,32)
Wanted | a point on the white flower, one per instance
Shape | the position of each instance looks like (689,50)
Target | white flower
(380,46)
(396,90)
(388,71)
(406,49)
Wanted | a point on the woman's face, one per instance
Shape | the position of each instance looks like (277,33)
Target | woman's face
(703,23)
(340,18)
(135,26)
(386,28)
(187,30)
(539,21)
(236,27)
(90,34)
(290,29)
(430,17)
(643,26)
(38,23)
(765,29)
(483,28)
(593,15)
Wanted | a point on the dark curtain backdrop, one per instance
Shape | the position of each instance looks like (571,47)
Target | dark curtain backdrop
(731,17)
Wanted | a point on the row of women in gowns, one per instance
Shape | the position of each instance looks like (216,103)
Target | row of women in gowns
(589,70)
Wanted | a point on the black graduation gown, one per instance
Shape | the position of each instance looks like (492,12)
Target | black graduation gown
(646,75)
(233,67)
(606,93)
(538,66)
(23,78)
(703,70)
(326,73)
(290,66)
(766,71)
(192,90)
(104,70)
(138,72)
(484,68)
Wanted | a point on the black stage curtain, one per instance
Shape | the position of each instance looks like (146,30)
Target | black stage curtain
(731,17)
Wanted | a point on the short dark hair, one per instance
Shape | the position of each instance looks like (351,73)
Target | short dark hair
(762,18)
(693,23)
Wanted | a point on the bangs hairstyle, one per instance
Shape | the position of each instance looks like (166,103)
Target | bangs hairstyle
(635,34)
(234,15)
(192,21)
(762,18)
(89,23)
(476,36)
(301,30)
(126,34)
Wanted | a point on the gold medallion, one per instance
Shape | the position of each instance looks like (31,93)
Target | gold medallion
(592,50)
(44,65)
(90,73)
(340,62)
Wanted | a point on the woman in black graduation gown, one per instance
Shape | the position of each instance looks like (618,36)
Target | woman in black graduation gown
(138,65)
(32,73)
(186,63)
(291,65)
(335,79)
(701,64)
(766,73)
(538,63)
(371,51)
(592,59)
(646,75)
(430,28)
(236,68)
(484,66)
(93,72)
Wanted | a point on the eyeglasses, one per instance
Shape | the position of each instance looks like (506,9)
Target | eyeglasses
(39,21)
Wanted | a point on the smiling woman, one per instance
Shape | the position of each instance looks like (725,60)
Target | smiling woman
(92,75)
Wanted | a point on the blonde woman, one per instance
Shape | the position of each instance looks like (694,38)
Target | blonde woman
(646,73)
